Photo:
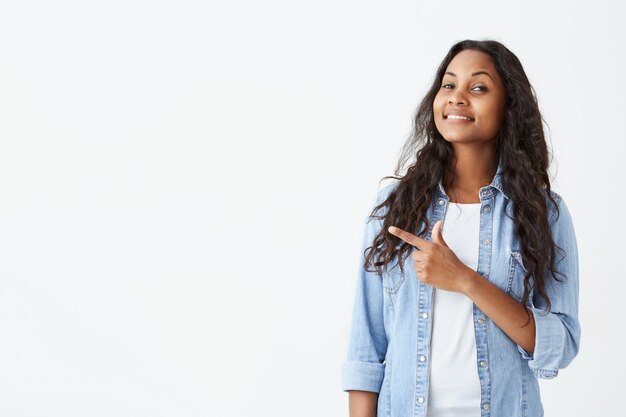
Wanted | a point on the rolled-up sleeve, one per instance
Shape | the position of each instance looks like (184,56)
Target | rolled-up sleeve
(557,333)
(364,367)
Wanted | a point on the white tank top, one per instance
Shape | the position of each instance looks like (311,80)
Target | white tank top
(454,389)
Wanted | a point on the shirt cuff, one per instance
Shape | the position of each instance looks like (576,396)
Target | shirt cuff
(549,344)
(362,376)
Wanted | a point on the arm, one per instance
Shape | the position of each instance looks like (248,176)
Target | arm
(362,403)
(364,367)
(557,332)
(503,309)
(552,340)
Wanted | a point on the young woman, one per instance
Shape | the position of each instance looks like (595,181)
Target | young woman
(468,290)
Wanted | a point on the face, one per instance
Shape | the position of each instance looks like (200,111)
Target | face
(469,106)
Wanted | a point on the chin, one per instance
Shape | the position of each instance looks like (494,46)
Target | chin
(460,139)
(455,138)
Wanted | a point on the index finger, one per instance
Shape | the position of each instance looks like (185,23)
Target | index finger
(409,238)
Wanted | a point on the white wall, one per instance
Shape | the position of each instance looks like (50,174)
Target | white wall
(183,185)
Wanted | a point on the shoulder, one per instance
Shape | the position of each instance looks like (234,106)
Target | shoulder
(383,193)
(386,190)
(553,203)
(559,213)
(375,218)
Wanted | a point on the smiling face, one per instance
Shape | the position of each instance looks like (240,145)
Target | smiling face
(469,106)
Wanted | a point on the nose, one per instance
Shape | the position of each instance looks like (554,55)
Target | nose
(456,99)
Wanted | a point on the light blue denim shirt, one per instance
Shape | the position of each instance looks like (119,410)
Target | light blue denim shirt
(389,343)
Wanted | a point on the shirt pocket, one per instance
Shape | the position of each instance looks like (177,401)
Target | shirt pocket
(393,278)
(517,271)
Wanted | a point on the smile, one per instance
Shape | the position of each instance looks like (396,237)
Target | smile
(451,116)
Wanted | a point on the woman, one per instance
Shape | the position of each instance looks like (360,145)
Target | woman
(468,290)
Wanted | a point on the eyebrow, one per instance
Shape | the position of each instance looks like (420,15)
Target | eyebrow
(473,74)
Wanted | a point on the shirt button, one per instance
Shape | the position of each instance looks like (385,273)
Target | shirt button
(486,241)
(483,364)
(421,400)
(442,202)
(481,321)
(486,406)
(422,358)
(487,208)
(424,315)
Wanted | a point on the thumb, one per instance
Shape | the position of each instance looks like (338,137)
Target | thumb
(436,234)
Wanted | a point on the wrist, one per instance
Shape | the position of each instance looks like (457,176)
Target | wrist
(470,280)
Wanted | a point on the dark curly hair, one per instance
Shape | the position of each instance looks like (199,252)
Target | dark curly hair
(520,148)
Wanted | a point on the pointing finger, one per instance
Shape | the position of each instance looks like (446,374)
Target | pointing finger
(409,238)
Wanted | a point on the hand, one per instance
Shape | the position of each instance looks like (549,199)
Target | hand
(435,263)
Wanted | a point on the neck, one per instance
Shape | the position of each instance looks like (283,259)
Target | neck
(473,170)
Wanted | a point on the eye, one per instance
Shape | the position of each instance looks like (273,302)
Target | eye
(480,88)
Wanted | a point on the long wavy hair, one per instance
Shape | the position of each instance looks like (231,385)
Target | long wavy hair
(521,149)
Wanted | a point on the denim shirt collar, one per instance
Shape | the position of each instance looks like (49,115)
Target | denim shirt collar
(495,183)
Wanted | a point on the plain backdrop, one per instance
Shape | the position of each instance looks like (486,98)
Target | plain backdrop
(183,186)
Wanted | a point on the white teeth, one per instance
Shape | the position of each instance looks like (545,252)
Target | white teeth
(452,116)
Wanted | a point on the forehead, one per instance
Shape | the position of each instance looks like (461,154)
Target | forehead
(469,61)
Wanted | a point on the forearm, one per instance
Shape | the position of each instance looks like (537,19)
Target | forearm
(502,309)
(362,403)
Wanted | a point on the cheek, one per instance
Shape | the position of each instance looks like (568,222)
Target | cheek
(437,111)
(497,111)
(438,104)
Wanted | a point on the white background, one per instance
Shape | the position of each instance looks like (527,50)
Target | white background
(183,186)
